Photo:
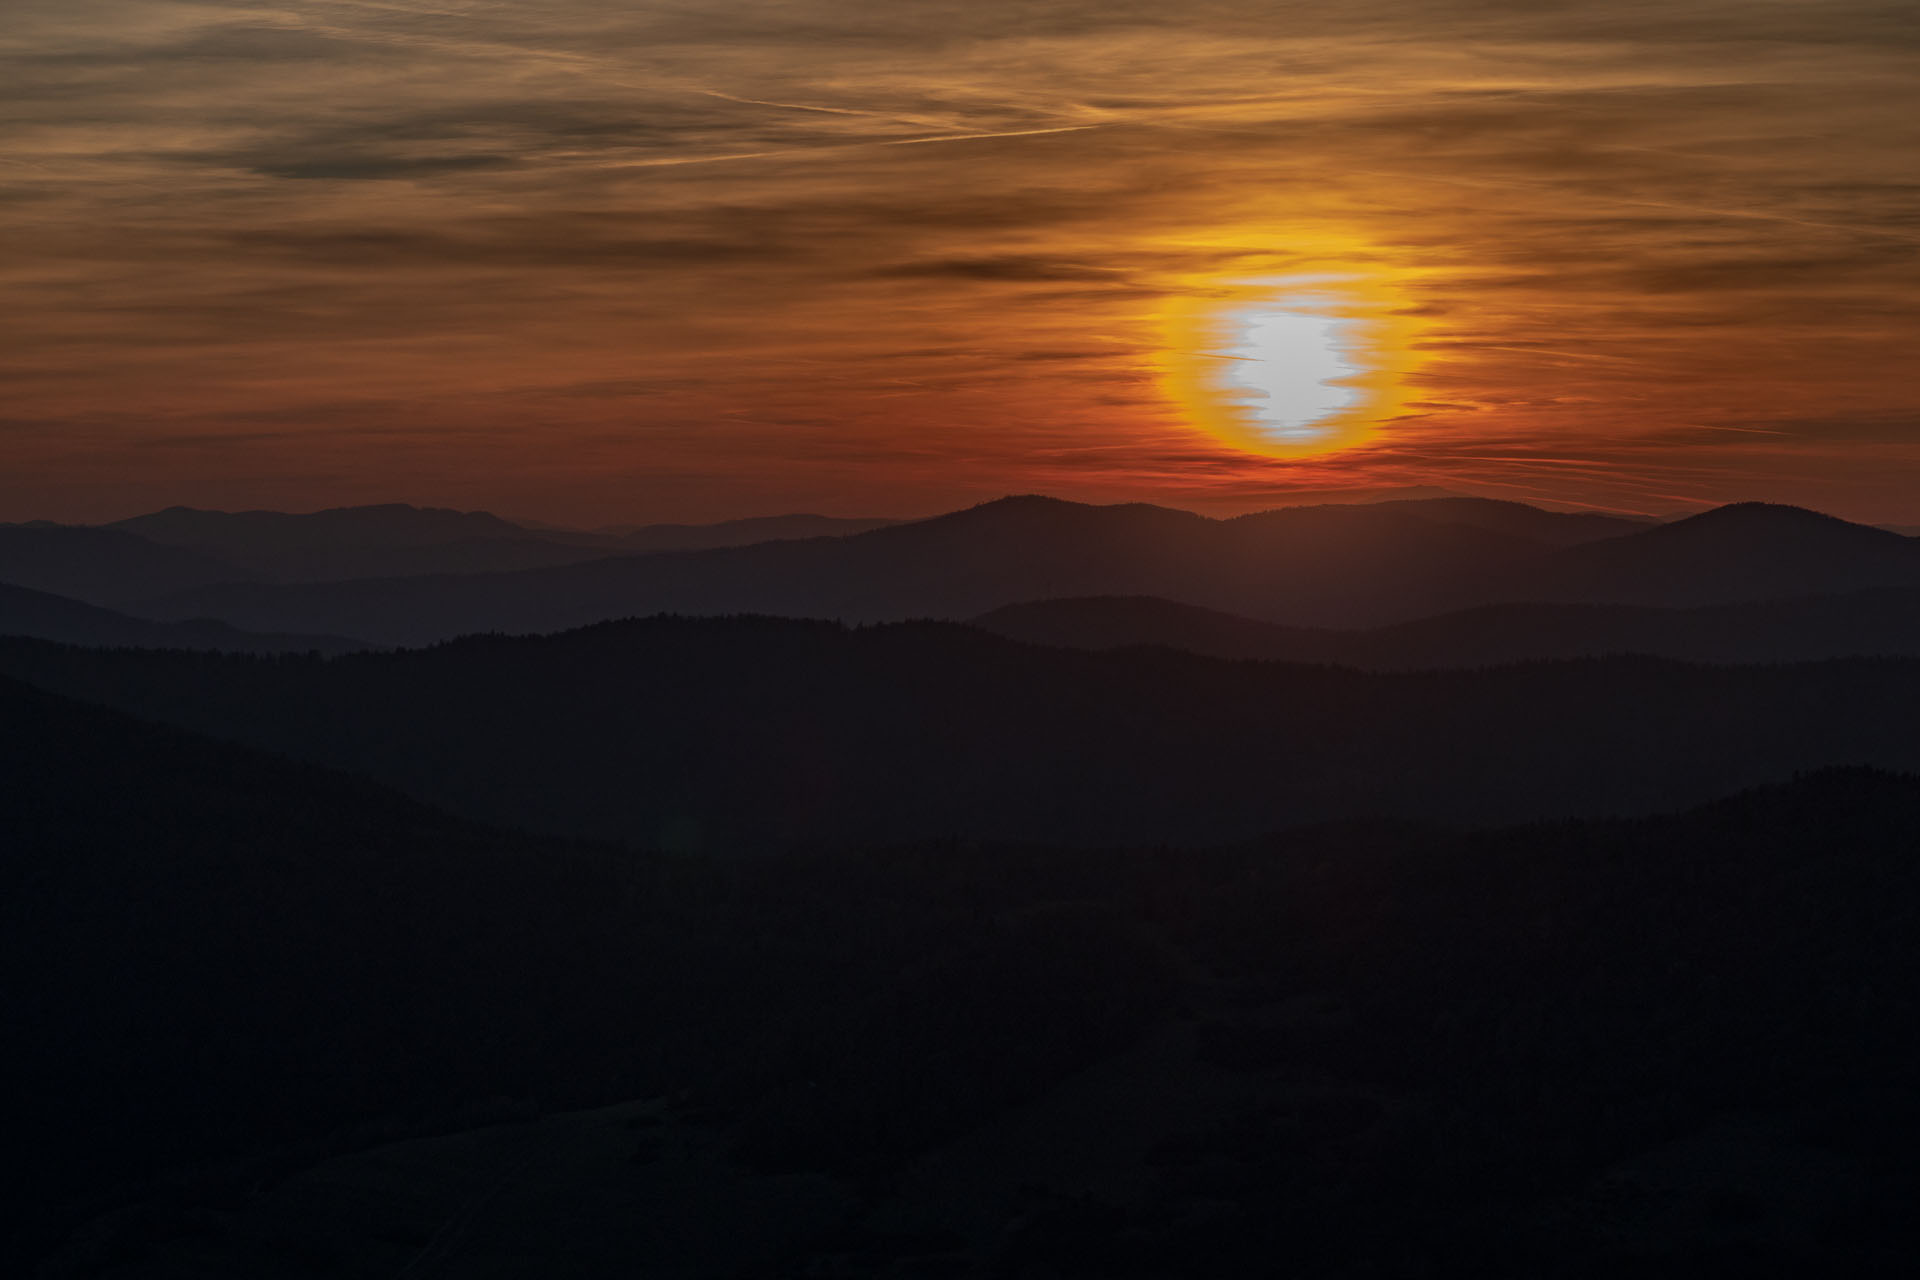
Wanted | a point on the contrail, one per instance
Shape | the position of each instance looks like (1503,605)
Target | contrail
(1004,133)
(922,121)
(829,148)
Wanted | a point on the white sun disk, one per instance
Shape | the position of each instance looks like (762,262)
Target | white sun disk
(1287,370)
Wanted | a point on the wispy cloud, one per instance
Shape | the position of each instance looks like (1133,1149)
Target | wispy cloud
(846,250)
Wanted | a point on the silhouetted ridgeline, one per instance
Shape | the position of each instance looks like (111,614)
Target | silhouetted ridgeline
(1333,565)
(405,575)
(1678,1046)
(42,615)
(1330,566)
(182,546)
(100,566)
(748,733)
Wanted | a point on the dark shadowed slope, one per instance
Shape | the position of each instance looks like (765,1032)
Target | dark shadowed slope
(392,540)
(1670,1047)
(206,951)
(396,540)
(268,533)
(1747,551)
(1116,622)
(1867,623)
(737,533)
(42,615)
(1514,519)
(1322,565)
(101,566)
(1873,623)
(757,732)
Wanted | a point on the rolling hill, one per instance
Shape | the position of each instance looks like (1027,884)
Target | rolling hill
(1324,565)
(1874,623)
(1746,551)
(765,733)
(736,533)
(100,566)
(42,615)
(164,551)
(354,542)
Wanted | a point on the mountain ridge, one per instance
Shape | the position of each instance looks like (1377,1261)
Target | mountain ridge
(1868,623)
(41,615)
(631,730)
(1314,565)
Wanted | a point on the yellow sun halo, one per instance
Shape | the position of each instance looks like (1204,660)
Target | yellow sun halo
(1289,365)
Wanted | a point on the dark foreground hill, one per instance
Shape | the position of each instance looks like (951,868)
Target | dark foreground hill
(1677,1046)
(1884,622)
(756,733)
(44,616)
(206,952)
(1327,565)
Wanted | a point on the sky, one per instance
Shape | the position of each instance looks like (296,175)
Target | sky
(592,261)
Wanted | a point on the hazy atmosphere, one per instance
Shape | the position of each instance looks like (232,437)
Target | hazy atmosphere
(605,261)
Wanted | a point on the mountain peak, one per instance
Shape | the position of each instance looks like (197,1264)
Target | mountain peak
(1028,502)
(1026,508)
(1760,511)
(1763,518)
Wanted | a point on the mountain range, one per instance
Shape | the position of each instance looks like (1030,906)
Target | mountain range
(749,734)
(1883,622)
(127,560)
(1092,893)
(1327,565)
(1396,584)
(42,615)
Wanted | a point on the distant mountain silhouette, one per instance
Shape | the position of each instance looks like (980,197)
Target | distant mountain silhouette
(267,532)
(754,733)
(165,551)
(395,539)
(1514,519)
(44,616)
(100,566)
(1747,551)
(358,542)
(1347,495)
(1324,565)
(736,533)
(1883,622)
(1329,567)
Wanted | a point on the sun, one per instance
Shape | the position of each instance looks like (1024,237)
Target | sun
(1289,365)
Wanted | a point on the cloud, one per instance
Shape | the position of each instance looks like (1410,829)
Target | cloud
(632,230)
(1014,269)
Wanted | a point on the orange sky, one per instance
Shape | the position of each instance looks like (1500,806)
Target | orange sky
(594,261)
